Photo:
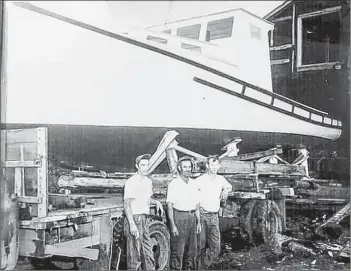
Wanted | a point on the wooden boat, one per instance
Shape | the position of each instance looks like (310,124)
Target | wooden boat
(107,97)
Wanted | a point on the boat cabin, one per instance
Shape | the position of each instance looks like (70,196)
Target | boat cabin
(241,36)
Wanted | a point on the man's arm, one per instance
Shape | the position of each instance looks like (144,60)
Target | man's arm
(128,210)
(226,188)
(170,201)
(128,198)
(158,204)
(173,226)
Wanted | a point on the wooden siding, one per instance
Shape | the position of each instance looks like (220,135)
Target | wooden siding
(325,89)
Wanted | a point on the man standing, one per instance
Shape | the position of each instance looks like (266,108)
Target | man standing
(137,199)
(184,216)
(213,189)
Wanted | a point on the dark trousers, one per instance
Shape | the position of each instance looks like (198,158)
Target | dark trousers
(209,240)
(184,246)
(139,251)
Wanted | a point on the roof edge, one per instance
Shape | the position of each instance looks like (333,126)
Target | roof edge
(277,9)
(212,14)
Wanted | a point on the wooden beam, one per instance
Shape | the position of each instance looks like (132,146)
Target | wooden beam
(320,12)
(280,61)
(282,19)
(281,47)
(87,253)
(172,160)
(42,171)
(160,153)
(317,67)
(256,155)
(190,153)
(20,164)
(25,199)
(293,24)
(81,242)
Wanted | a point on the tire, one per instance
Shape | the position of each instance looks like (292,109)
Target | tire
(268,220)
(246,222)
(160,235)
(64,263)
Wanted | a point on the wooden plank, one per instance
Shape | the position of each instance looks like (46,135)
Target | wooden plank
(42,147)
(232,167)
(281,47)
(172,159)
(320,12)
(160,153)
(190,153)
(286,18)
(18,182)
(21,164)
(256,155)
(25,199)
(82,242)
(318,66)
(87,253)
(299,43)
(280,61)
(293,24)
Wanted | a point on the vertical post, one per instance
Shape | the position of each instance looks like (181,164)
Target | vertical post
(42,147)
(293,38)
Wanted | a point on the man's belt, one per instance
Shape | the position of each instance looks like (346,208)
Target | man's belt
(189,212)
(203,211)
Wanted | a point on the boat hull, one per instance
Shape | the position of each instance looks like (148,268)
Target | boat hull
(114,149)
(71,75)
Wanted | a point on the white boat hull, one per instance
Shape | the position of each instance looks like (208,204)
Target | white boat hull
(59,73)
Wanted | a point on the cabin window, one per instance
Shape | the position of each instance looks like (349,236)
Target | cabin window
(319,39)
(190,32)
(219,29)
(191,47)
(157,39)
(255,32)
(168,31)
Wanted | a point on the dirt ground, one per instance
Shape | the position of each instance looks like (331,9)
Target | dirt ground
(311,253)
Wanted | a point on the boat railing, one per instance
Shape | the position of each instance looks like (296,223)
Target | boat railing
(270,99)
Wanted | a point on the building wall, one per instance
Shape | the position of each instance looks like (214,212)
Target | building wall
(323,86)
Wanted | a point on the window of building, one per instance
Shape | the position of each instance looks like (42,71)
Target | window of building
(219,29)
(255,32)
(157,39)
(191,47)
(190,32)
(319,38)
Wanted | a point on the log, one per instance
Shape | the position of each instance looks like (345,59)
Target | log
(256,155)
(61,201)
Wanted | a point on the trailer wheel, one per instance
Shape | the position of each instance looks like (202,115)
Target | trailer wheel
(246,220)
(269,220)
(161,244)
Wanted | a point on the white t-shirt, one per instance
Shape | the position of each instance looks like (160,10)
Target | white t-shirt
(184,196)
(210,191)
(140,190)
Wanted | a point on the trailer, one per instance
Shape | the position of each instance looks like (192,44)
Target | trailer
(80,221)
